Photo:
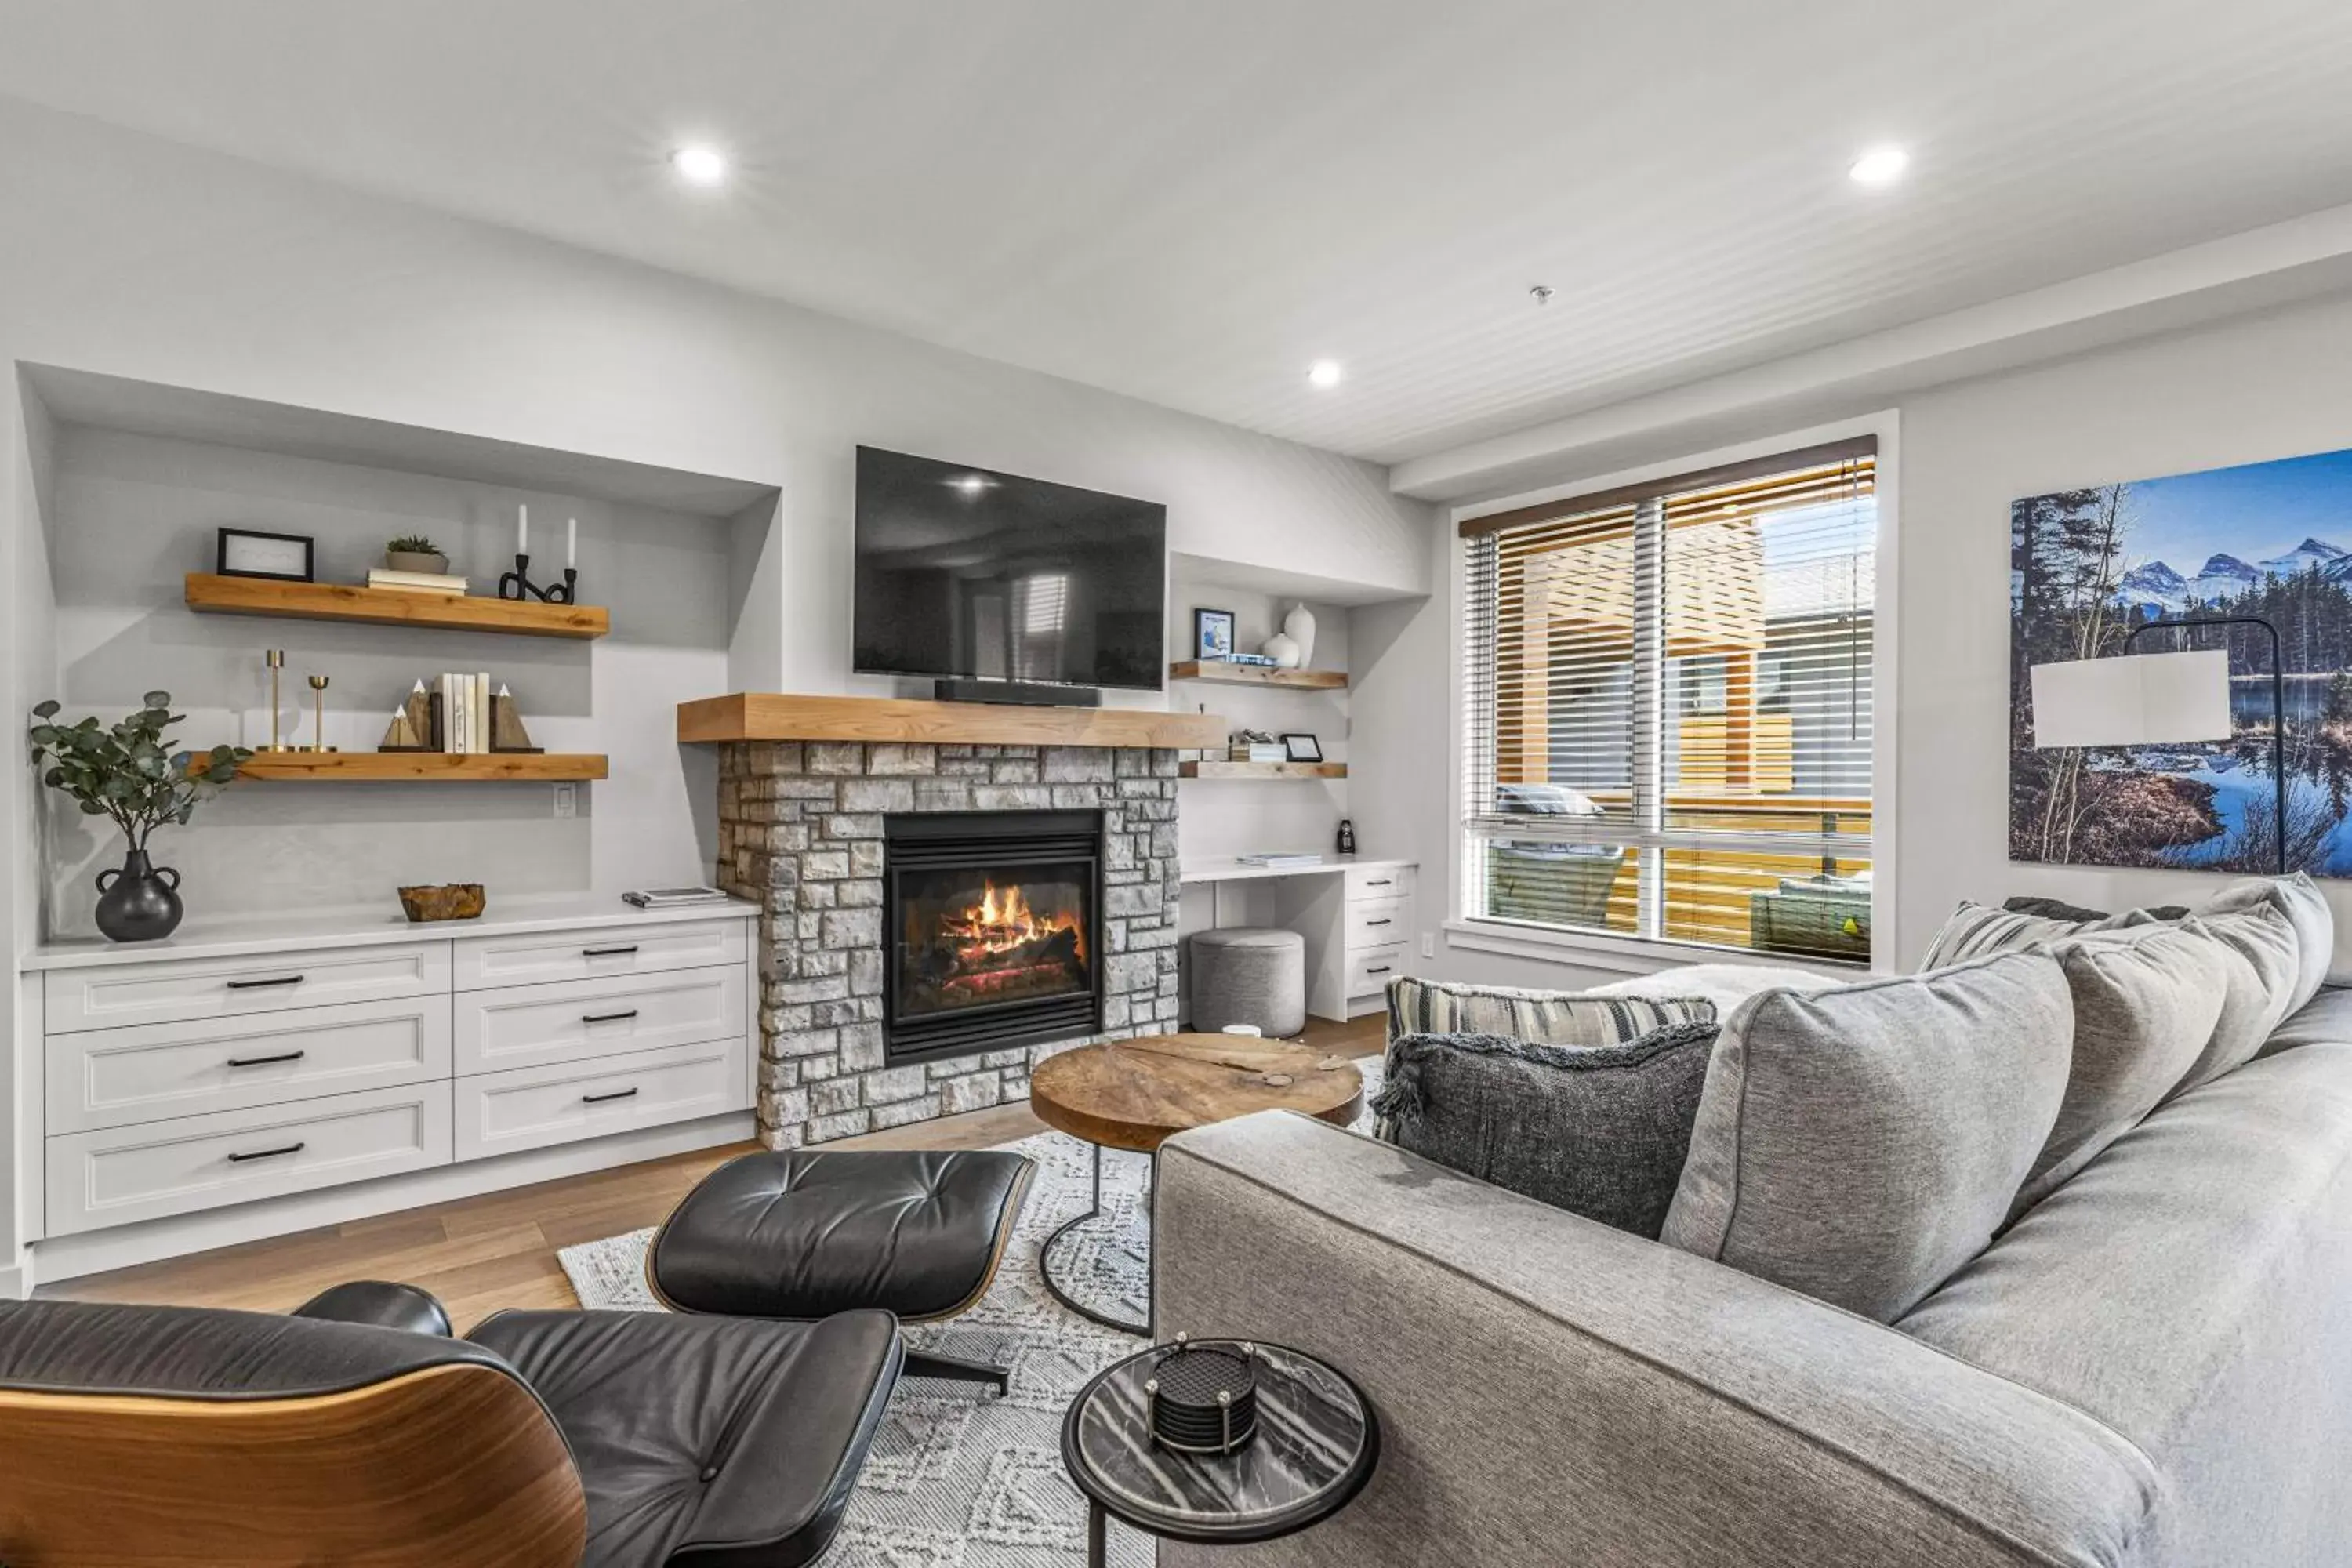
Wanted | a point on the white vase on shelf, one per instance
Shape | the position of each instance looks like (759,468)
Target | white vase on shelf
(1282,650)
(1299,627)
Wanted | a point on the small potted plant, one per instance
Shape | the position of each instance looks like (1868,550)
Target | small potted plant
(129,772)
(415,552)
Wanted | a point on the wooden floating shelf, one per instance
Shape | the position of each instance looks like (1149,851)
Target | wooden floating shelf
(213,596)
(1218,673)
(389,767)
(1229,770)
(777,716)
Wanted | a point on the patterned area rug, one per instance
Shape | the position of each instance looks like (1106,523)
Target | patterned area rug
(959,1478)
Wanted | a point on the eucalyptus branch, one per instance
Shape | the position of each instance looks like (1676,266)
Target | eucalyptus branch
(127,771)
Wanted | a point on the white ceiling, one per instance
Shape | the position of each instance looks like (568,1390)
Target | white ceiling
(1190,200)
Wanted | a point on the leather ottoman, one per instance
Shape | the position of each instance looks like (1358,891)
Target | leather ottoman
(805,1234)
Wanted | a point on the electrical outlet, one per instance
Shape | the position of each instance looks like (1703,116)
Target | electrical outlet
(567,801)
(1429,944)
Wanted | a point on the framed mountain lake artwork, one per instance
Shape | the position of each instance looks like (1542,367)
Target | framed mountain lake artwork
(2266,542)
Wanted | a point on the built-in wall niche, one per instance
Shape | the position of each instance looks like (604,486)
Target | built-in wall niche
(144,475)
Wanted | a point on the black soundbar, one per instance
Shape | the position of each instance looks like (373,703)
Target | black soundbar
(1026,693)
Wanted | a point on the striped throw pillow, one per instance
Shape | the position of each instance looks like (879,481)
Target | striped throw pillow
(1975,931)
(1535,1018)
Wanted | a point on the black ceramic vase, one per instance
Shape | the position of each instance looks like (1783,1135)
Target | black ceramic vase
(138,903)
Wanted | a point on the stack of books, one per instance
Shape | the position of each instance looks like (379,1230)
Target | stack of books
(1259,752)
(673,898)
(417,582)
(1281,862)
(465,702)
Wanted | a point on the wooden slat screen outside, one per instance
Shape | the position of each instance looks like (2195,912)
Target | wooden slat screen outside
(1667,726)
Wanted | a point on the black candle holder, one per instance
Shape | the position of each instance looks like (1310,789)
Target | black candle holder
(517,585)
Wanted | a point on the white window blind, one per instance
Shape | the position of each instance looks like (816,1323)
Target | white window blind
(1667,709)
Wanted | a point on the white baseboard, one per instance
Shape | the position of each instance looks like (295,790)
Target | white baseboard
(124,1246)
(15,1284)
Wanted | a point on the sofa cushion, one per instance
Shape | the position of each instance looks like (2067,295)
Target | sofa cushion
(2259,988)
(2059,909)
(2188,1291)
(2147,1005)
(1975,931)
(1861,1144)
(1600,1131)
(2299,898)
(2325,1019)
(1534,1017)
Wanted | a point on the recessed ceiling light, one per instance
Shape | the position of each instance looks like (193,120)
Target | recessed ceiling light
(1325,373)
(699,165)
(971,484)
(1880,166)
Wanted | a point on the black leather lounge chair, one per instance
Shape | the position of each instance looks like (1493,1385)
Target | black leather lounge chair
(356,1432)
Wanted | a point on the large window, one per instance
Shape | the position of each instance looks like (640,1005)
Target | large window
(1667,709)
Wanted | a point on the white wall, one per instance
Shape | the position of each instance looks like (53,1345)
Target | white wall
(133,513)
(27,668)
(2243,390)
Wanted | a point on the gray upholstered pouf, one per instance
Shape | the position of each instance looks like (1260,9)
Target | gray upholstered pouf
(1249,974)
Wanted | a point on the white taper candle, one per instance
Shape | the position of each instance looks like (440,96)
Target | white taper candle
(572,541)
(522,531)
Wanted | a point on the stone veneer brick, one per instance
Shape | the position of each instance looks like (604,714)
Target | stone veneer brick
(800,832)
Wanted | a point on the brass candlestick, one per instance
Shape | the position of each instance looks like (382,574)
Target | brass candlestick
(276,659)
(318,702)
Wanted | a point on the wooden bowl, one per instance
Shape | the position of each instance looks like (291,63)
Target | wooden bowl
(450,902)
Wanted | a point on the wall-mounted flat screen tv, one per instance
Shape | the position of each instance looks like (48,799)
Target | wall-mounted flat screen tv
(965,571)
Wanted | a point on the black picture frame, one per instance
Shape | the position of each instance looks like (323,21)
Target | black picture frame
(1302,748)
(1205,622)
(309,555)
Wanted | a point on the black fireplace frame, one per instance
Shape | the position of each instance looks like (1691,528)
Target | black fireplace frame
(932,841)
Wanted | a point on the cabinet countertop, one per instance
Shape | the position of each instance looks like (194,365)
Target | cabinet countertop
(311,931)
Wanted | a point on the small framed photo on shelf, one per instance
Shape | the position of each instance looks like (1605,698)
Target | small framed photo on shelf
(280,557)
(1302,749)
(1212,634)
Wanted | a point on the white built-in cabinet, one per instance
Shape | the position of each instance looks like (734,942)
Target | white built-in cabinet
(174,1085)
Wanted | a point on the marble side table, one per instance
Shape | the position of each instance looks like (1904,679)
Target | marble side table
(1317,1443)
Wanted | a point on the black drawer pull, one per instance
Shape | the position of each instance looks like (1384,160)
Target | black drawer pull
(265,1061)
(1382,969)
(1379,922)
(607,951)
(1383,882)
(265,1153)
(607,1017)
(600,1098)
(258,984)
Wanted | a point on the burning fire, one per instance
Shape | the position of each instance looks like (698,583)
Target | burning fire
(1003,923)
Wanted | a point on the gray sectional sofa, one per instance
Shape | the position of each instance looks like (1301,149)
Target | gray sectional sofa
(2153,1366)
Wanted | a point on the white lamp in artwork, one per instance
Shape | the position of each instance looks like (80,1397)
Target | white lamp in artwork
(2155,700)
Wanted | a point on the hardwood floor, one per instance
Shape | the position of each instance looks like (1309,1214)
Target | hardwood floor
(483,1254)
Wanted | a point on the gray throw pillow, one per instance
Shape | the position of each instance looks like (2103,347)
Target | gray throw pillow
(2262,960)
(2305,907)
(1534,1017)
(1859,1144)
(2146,1004)
(1973,930)
(1599,1131)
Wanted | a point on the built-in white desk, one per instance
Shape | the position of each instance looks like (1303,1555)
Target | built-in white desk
(1355,912)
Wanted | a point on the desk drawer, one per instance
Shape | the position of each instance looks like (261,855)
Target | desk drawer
(530,1108)
(1377,922)
(116,995)
(483,962)
(123,1174)
(1378,882)
(527,1026)
(1371,969)
(148,1072)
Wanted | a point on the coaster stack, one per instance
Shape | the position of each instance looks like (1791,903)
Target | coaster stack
(1204,1397)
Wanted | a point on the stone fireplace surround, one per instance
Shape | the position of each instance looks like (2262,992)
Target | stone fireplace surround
(801,832)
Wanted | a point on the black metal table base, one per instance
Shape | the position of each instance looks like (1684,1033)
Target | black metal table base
(1045,1258)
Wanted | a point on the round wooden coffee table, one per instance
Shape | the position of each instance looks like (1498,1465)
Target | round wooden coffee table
(1137,1094)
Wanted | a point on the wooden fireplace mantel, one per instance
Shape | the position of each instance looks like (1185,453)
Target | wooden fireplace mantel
(778,716)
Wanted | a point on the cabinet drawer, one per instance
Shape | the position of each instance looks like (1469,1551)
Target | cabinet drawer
(1378,882)
(1376,922)
(118,995)
(1371,969)
(117,1077)
(525,1026)
(125,1174)
(485,961)
(530,1107)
